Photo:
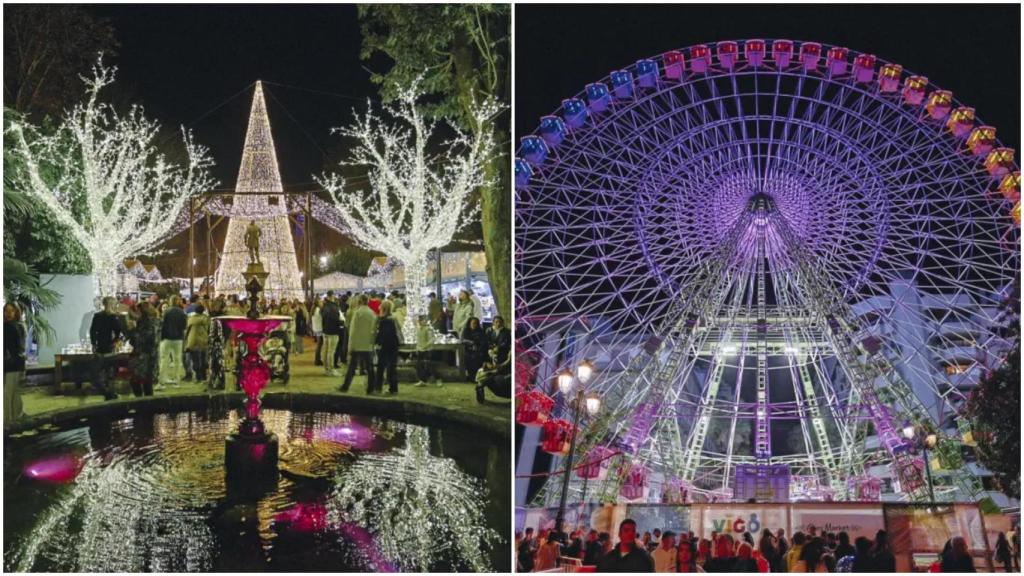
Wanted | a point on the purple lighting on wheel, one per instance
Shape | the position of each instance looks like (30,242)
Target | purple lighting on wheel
(746,239)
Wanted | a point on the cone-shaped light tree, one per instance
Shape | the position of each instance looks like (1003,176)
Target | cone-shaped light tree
(101,174)
(419,190)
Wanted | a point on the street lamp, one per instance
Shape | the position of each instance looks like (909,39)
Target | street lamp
(922,442)
(592,404)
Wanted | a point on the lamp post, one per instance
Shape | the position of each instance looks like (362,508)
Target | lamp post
(592,403)
(923,442)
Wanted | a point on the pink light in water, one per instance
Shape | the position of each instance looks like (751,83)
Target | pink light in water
(350,433)
(304,517)
(364,542)
(57,470)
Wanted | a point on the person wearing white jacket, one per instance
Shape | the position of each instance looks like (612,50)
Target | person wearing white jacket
(318,332)
(463,312)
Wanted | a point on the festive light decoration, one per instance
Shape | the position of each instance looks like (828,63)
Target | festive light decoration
(259,173)
(416,200)
(761,300)
(112,173)
(422,509)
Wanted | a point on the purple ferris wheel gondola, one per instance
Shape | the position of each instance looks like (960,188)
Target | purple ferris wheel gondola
(791,249)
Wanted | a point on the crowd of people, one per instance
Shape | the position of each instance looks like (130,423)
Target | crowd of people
(807,552)
(174,340)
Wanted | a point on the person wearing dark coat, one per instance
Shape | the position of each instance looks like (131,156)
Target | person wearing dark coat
(330,316)
(389,338)
(500,337)
(958,557)
(627,556)
(144,337)
(882,559)
(475,340)
(104,333)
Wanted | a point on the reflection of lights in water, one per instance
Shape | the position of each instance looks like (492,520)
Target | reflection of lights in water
(150,496)
(422,509)
(351,434)
(127,524)
(57,470)
(304,517)
(364,543)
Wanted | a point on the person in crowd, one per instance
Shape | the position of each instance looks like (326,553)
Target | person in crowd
(318,332)
(881,554)
(478,305)
(436,312)
(547,555)
(389,339)
(215,350)
(781,543)
(957,559)
(655,537)
(15,337)
(500,336)
(749,539)
(666,556)
(144,337)
(330,316)
(862,561)
(496,378)
(425,369)
(769,550)
(843,547)
(475,341)
(687,559)
(605,540)
(1003,553)
(627,556)
(762,564)
(463,311)
(344,321)
(645,541)
(361,340)
(301,325)
(575,547)
(524,555)
(374,302)
(186,362)
(811,557)
(724,555)
(197,339)
(592,549)
(105,333)
(793,555)
(172,336)
(745,561)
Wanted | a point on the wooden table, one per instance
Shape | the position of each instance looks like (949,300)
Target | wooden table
(60,359)
(457,347)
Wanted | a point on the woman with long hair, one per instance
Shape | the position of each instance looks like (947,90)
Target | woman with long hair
(145,356)
(389,339)
(14,362)
(475,340)
(958,558)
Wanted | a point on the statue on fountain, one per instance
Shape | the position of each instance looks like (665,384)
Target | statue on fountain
(252,241)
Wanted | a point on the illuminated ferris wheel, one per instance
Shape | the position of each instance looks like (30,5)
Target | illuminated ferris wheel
(777,255)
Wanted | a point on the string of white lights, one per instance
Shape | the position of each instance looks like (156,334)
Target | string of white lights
(105,167)
(416,201)
(259,173)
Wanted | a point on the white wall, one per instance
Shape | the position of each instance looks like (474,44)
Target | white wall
(71,318)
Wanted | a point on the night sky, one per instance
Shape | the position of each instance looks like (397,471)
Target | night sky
(972,50)
(182,61)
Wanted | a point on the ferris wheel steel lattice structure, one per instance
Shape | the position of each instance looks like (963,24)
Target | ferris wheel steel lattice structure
(777,254)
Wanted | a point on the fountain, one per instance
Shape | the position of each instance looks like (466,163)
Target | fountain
(250,453)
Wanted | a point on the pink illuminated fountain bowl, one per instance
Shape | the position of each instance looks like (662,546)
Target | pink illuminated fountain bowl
(250,454)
